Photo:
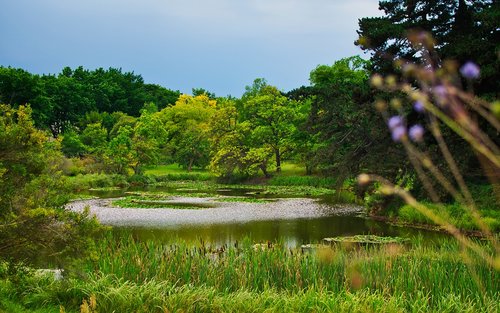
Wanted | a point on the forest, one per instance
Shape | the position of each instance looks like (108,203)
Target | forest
(409,134)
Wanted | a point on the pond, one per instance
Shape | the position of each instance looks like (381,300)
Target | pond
(294,221)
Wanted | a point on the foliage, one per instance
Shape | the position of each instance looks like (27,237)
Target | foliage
(71,144)
(82,182)
(148,138)
(228,140)
(146,276)
(343,135)
(61,101)
(273,119)
(462,30)
(440,98)
(119,155)
(186,125)
(95,138)
(32,192)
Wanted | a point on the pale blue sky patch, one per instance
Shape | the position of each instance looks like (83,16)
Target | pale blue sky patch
(219,45)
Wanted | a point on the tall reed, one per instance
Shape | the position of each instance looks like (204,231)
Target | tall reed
(148,277)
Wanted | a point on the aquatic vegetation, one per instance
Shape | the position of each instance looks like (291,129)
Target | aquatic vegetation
(242,199)
(147,203)
(365,239)
(147,276)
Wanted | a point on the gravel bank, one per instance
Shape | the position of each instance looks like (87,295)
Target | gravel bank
(224,212)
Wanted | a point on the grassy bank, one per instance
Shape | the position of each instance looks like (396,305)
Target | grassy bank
(134,276)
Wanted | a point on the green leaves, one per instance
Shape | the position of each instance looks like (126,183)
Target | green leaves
(186,125)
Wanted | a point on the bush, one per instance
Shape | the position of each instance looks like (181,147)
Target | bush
(141,180)
(88,181)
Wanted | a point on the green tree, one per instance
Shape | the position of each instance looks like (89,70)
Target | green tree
(71,144)
(201,91)
(342,117)
(119,155)
(149,137)
(186,124)
(463,30)
(121,119)
(62,101)
(95,137)
(232,149)
(227,140)
(274,119)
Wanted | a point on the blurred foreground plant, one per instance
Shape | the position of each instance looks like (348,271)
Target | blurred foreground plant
(435,89)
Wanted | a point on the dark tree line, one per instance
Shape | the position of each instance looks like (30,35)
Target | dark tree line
(59,101)
(463,31)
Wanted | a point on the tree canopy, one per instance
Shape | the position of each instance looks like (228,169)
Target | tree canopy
(463,31)
(59,101)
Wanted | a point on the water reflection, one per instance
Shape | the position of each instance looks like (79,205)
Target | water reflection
(292,233)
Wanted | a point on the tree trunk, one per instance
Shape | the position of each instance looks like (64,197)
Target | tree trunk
(190,165)
(278,160)
(309,169)
(264,170)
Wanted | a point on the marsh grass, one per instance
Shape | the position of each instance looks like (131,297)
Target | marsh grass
(132,276)
(437,268)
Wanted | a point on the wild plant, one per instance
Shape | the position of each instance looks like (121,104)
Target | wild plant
(435,89)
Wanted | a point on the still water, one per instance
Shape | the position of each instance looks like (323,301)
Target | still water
(292,232)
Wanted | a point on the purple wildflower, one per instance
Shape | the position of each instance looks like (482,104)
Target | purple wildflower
(419,106)
(470,70)
(416,133)
(440,91)
(398,133)
(395,121)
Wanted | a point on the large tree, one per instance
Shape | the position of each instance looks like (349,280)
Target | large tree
(463,30)
(346,127)
(233,147)
(186,126)
(273,118)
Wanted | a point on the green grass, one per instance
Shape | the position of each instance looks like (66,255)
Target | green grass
(134,276)
(175,172)
(454,213)
(314,181)
(292,169)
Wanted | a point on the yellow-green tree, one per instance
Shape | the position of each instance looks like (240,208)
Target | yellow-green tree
(186,125)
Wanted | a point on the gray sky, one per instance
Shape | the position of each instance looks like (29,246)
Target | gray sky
(219,45)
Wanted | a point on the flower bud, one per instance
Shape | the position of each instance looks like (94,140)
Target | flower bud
(470,70)
(416,133)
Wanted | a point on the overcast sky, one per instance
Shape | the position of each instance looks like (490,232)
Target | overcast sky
(219,45)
